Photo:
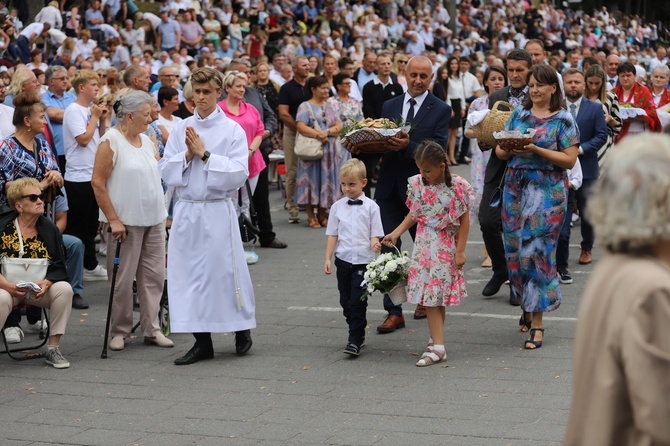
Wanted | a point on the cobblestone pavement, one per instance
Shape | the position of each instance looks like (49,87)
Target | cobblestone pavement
(296,387)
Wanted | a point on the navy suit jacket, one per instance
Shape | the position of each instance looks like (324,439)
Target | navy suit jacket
(431,121)
(592,135)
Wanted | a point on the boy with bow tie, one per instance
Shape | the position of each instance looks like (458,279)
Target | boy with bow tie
(354,232)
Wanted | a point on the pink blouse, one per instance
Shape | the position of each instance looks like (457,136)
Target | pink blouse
(250,121)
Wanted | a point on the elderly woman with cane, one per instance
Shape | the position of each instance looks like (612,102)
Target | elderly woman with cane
(127,187)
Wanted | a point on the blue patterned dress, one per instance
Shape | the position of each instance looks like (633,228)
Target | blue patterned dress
(534,202)
(317,181)
(18,162)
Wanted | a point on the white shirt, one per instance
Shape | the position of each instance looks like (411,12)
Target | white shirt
(355,92)
(470,84)
(277,78)
(33,28)
(354,226)
(6,126)
(85,49)
(134,169)
(169,125)
(610,85)
(79,158)
(419,101)
(575,175)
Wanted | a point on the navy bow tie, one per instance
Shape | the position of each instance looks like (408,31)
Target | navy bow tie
(355,202)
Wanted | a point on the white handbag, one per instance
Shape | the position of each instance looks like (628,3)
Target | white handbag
(19,269)
(306,148)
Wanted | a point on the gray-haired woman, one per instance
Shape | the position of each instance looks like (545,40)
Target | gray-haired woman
(622,344)
(125,164)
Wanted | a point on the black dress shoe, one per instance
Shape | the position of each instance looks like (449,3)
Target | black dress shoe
(242,342)
(195,354)
(79,303)
(493,286)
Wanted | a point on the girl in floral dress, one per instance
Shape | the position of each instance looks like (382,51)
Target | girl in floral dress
(438,203)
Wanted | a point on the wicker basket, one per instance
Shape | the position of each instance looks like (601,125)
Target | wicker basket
(513,143)
(493,122)
(369,141)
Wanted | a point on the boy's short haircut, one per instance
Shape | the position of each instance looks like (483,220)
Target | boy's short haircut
(353,167)
(82,77)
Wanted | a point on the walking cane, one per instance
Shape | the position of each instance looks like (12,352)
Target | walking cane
(117,261)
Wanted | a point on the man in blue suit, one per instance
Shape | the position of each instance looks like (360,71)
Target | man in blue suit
(429,117)
(592,136)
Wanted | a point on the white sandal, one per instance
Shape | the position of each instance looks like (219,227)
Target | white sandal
(430,357)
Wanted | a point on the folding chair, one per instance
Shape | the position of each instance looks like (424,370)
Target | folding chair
(44,336)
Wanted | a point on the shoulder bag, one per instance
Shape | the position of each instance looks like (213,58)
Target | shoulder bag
(19,269)
(306,148)
(496,196)
(248,227)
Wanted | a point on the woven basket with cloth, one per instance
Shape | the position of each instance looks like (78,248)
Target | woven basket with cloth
(493,122)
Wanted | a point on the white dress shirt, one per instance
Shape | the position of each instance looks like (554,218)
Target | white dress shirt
(354,226)
(419,101)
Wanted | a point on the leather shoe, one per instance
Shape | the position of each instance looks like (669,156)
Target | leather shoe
(195,354)
(493,286)
(585,257)
(420,312)
(391,324)
(79,303)
(277,244)
(242,342)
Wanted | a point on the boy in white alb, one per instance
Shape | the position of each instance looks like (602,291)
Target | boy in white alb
(354,230)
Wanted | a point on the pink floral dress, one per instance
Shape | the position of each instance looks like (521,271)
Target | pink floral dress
(434,280)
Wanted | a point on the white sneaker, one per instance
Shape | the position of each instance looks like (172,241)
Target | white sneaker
(14,335)
(94,275)
(38,326)
(102,250)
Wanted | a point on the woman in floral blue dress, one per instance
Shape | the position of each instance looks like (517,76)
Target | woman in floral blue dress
(317,185)
(535,196)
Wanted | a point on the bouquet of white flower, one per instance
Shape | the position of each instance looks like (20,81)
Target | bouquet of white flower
(386,273)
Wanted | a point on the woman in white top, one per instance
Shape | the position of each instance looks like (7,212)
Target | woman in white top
(168,99)
(452,90)
(85,45)
(127,162)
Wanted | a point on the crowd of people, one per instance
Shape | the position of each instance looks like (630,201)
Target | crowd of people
(101,100)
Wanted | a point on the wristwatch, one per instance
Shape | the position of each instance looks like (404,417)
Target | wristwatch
(205,156)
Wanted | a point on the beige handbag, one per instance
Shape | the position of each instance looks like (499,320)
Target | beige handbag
(19,269)
(306,148)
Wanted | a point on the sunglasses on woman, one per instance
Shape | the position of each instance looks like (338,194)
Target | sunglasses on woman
(34,197)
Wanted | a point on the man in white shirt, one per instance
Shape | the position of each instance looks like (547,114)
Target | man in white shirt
(660,59)
(278,61)
(346,65)
(26,39)
(100,62)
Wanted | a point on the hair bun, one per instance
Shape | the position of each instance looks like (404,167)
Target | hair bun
(26,99)
(117,106)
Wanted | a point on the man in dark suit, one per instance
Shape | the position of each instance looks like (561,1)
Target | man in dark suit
(375,93)
(592,136)
(429,117)
(519,63)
